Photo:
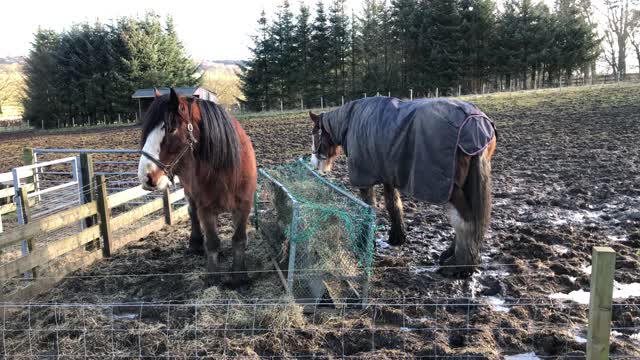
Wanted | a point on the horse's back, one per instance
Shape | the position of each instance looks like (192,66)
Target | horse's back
(412,144)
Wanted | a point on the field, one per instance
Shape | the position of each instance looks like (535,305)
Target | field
(566,178)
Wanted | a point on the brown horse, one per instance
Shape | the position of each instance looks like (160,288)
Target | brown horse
(207,149)
(392,142)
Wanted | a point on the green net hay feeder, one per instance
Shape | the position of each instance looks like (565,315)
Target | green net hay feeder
(321,235)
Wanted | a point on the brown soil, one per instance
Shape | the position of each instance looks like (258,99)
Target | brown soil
(566,178)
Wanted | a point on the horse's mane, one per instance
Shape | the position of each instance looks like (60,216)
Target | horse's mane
(218,145)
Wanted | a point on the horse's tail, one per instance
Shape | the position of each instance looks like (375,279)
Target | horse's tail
(478,193)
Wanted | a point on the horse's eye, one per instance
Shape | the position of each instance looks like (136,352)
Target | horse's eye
(173,131)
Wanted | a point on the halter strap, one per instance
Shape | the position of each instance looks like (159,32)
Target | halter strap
(191,141)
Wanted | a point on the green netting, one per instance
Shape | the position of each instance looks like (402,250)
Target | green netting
(322,235)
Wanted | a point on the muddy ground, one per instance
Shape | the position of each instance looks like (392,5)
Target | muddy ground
(566,177)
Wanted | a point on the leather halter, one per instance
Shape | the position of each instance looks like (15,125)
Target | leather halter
(317,150)
(190,145)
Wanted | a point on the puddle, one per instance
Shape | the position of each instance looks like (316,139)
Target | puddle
(620,292)
(526,356)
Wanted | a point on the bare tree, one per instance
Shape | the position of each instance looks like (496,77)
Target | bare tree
(616,35)
(9,85)
(635,34)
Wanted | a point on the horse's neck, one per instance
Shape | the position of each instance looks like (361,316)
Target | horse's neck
(337,122)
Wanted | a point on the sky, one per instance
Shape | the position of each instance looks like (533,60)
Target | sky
(210,29)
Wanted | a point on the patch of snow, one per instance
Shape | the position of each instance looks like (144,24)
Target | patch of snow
(580,340)
(422,269)
(635,337)
(620,292)
(560,249)
(125,316)
(525,356)
(617,238)
(497,304)
(405,329)
(586,269)
(381,243)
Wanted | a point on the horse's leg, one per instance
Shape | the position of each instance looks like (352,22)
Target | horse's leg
(196,241)
(368,196)
(469,213)
(209,221)
(397,235)
(239,268)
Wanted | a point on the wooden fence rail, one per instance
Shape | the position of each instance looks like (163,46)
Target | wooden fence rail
(103,230)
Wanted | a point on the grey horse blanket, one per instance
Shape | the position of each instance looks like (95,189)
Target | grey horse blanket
(410,144)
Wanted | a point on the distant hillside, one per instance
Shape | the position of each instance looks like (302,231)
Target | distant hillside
(9,60)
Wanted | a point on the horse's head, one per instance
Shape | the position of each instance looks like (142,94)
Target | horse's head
(169,135)
(323,149)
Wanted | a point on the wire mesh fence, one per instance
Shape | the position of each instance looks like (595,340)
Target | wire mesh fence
(389,328)
(313,224)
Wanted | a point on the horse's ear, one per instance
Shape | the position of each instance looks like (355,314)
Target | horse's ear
(314,117)
(174,102)
(156,93)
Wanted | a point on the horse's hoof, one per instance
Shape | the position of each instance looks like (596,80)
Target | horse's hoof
(397,238)
(450,268)
(446,255)
(211,280)
(239,280)
(197,251)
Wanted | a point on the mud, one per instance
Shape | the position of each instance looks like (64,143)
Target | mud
(566,177)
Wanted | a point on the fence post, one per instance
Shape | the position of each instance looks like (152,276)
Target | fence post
(301,104)
(281,106)
(436,92)
(104,211)
(87,192)
(28,159)
(168,209)
(321,103)
(410,94)
(26,216)
(343,100)
(603,266)
(459,89)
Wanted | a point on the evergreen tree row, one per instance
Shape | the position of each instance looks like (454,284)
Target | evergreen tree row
(413,44)
(90,71)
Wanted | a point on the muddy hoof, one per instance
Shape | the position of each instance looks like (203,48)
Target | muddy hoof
(197,251)
(454,270)
(211,280)
(447,254)
(238,280)
(397,238)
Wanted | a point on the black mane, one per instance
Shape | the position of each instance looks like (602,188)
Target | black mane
(218,145)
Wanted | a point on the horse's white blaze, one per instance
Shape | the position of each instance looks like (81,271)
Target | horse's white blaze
(146,166)
(314,158)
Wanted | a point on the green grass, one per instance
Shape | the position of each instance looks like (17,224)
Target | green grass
(583,96)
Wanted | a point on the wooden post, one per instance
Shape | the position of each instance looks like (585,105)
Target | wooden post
(603,266)
(436,92)
(321,103)
(28,159)
(410,94)
(104,211)
(343,100)
(281,106)
(26,215)
(459,89)
(87,186)
(168,209)
(301,104)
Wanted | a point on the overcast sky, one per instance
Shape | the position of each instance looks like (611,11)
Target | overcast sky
(210,29)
